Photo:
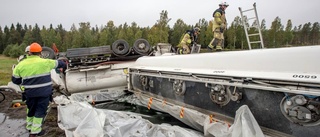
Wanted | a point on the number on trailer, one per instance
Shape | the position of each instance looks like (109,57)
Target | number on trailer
(305,76)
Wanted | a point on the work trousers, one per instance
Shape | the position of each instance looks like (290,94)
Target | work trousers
(218,40)
(37,108)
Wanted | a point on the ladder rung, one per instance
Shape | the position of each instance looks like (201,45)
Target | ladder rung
(255,42)
(251,18)
(252,27)
(253,34)
(247,10)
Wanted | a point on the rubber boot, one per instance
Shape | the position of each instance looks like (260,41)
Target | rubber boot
(41,133)
(219,48)
(210,48)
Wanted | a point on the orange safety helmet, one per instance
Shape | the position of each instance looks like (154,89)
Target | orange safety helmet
(35,47)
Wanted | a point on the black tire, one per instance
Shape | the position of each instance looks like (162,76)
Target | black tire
(48,53)
(141,46)
(2,97)
(120,47)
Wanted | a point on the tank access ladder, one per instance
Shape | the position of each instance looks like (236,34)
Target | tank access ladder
(257,25)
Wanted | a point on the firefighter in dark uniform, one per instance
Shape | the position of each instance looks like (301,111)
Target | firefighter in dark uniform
(33,76)
(219,24)
(189,38)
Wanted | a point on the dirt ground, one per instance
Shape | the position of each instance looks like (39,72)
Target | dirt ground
(12,120)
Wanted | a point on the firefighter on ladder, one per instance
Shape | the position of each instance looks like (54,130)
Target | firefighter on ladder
(219,24)
(189,38)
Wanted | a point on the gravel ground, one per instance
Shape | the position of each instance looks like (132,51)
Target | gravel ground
(12,120)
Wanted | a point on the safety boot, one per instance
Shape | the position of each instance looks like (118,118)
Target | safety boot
(210,48)
(219,48)
(41,133)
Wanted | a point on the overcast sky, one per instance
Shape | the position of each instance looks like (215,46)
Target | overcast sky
(147,12)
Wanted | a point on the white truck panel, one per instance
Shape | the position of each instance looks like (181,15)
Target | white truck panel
(298,64)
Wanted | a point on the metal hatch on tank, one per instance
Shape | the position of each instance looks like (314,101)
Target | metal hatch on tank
(280,86)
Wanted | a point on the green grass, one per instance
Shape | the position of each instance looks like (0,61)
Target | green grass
(6,69)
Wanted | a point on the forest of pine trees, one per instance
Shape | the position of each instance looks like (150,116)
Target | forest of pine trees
(14,38)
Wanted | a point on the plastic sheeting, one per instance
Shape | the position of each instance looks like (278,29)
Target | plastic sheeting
(13,86)
(244,126)
(79,119)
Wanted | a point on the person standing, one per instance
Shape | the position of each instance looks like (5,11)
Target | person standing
(22,57)
(189,38)
(33,76)
(219,24)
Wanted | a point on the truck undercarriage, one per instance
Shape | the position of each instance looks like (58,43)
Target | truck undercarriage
(280,86)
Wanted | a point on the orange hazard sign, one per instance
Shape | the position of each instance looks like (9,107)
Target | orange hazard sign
(150,102)
(181,112)
(211,118)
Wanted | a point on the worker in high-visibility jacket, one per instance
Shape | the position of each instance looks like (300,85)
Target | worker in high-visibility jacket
(22,57)
(189,38)
(219,24)
(33,76)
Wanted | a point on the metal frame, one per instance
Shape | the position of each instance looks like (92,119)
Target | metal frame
(268,85)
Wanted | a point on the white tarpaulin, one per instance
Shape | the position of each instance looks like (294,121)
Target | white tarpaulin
(244,126)
(80,119)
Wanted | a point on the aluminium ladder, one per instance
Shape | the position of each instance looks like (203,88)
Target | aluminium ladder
(257,25)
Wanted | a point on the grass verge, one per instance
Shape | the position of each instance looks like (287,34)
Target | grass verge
(6,69)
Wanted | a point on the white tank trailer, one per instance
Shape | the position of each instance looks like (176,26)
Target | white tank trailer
(281,86)
(99,68)
(100,78)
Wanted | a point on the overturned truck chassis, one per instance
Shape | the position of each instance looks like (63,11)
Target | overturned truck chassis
(283,96)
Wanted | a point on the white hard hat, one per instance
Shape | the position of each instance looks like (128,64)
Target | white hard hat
(196,29)
(224,4)
(27,49)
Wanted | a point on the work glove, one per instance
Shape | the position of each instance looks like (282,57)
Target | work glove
(222,26)
(189,41)
(58,70)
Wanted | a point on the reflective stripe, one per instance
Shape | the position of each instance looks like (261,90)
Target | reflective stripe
(35,76)
(29,126)
(38,85)
(35,131)
(29,122)
(36,126)
(57,63)
(15,76)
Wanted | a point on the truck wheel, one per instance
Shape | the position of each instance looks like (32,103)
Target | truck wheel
(141,46)
(48,53)
(120,47)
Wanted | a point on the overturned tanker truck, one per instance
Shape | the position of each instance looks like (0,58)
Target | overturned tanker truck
(281,86)
(103,68)
(99,68)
